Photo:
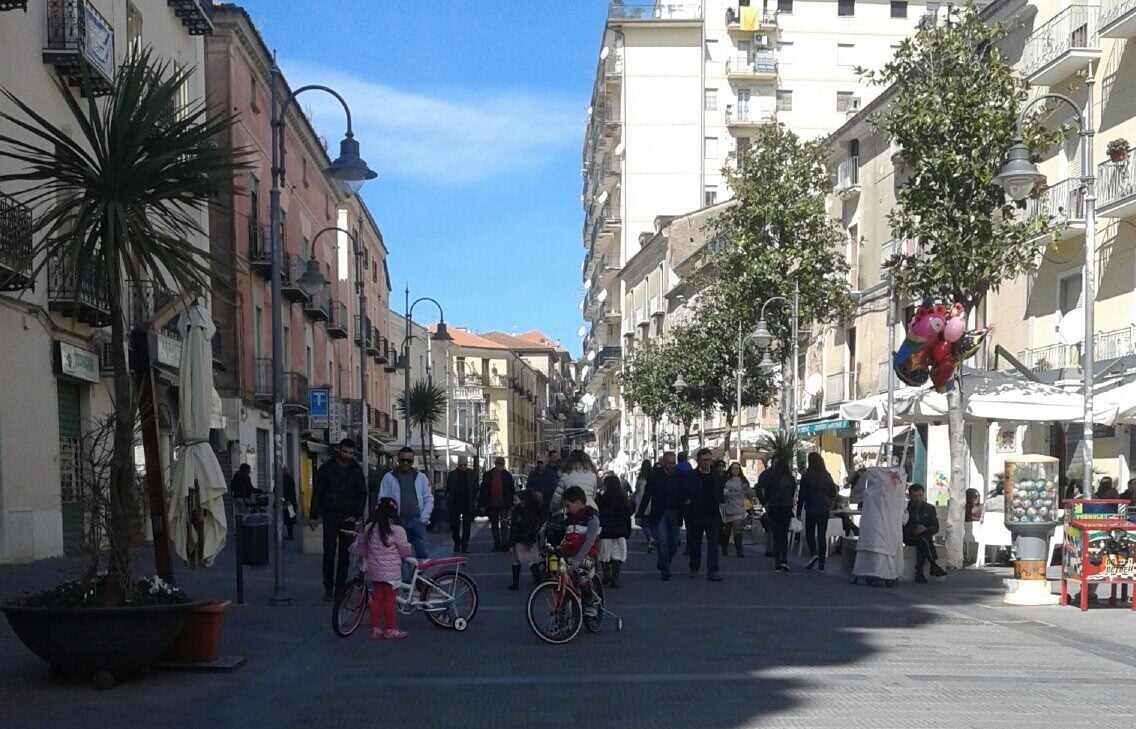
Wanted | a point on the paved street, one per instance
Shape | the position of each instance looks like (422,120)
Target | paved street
(760,649)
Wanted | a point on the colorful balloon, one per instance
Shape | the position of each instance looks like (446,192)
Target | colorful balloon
(937,343)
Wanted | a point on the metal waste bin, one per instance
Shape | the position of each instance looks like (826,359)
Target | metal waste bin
(255,532)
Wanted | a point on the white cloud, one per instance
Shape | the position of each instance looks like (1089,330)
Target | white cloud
(451,138)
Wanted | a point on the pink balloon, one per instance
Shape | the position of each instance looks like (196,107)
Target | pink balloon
(954,329)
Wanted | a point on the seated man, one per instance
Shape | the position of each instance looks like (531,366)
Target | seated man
(581,545)
(920,525)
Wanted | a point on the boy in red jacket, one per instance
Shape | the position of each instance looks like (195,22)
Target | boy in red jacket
(581,544)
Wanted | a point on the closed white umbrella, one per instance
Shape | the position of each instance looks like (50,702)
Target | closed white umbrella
(196,481)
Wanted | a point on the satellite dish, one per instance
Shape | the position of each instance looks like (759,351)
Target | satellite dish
(813,384)
(581,331)
(592,355)
(602,297)
(1071,329)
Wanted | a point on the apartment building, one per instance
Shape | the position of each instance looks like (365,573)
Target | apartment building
(55,380)
(1058,47)
(321,334)
(679,90)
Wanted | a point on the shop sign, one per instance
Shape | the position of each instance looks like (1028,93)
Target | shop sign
(468,394)
(826,426)
(167,350)
(81,364)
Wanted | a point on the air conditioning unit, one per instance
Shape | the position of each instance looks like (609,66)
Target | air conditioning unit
(761,40)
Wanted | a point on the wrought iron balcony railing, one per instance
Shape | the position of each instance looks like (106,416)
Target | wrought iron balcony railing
(195,15)
(1061,46)
(80,44)
(82,295)
(337,320)
(15,245)
(654,11)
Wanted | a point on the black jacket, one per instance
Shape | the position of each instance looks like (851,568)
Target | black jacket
(615,517)
(925,515)
(817,492)
(507,489)
(777,489)
(289,489)
(460,489)
(241,485)
(704,498)
(664,491)
(524,526)
(339,491)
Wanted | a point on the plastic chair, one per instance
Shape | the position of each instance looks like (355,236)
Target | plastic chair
(991,531)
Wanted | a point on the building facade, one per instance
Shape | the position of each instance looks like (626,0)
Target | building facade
(54,377)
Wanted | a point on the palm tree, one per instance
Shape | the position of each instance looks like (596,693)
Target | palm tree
(427,403)
(119,200)
(783,445)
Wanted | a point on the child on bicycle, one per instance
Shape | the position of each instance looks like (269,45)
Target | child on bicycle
(581,543)
(383,544)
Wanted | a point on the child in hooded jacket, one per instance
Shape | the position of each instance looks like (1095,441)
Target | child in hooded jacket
(384,545)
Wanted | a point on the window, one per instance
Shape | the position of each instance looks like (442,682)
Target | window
(844,101)
(254,199)
(1068,294)
(711,50)
(254,95)
(785,6)
(133,30)
(304,170)
(710,98)
(743,145)
(784,100)
(258,332)
(899,8)
(846,8)
(709,195)
(844,53)
(711,146)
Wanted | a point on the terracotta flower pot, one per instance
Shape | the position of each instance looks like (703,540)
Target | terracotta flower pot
(200,638)
(1118,155)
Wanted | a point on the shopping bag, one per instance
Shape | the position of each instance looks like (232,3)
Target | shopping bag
(795,525)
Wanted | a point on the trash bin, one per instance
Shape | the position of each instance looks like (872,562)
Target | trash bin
(255,531)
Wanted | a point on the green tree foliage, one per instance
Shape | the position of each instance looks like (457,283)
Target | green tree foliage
(952,112)
(119,196)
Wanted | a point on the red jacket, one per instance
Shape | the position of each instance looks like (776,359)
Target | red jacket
(581,534)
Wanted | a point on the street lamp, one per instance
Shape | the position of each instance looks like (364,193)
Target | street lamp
(764,339)
(352,172)
(1018,177)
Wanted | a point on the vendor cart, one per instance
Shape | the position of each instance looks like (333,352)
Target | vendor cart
(1100,547)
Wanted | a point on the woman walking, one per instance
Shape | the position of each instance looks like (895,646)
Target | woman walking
(735,492)
(640,486)
(577,470)
(615,528)
(780,489)
(817,492)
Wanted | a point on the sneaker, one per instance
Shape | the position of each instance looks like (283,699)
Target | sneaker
(714,577)
(812,563)
(650,546)
(820,567)
(937,571)
(919,577)
(784,567)
(395,634)
(377,634)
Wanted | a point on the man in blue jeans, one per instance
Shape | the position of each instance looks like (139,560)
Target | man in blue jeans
(663,496)
(412,493)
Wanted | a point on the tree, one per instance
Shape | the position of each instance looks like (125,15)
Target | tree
(117,198)
(952,113)
(425,405)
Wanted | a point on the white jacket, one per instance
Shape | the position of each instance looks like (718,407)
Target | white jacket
(586,480)
(389,489)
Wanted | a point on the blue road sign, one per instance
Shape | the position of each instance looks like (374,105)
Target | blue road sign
(318,407)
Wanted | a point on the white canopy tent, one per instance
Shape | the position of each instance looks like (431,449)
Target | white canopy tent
(1121,399)
(456,447)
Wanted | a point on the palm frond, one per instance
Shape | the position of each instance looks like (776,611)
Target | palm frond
(782,445)
(426,404)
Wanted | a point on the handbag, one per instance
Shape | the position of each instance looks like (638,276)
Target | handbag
(795,525)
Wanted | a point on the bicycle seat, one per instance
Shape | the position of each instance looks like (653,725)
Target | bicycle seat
(425,564)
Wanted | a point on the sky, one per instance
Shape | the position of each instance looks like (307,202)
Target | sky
(473,114)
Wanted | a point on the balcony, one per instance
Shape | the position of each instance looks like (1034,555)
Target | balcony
(337,320)
(608,357)
(1116,189)
(613,66)
(1106,346)
(1062,46)
(260,249)
(764,20)
(761,66)
(381,347)
(603,409)
(15,245)
(658,308)
(374,346)
(1118,19)
(147,300)
(745,118)
(839,387)
(262,379)
(319,307)
(688,13)
(80,43)
(294,391)
(1063,202)
(82,296)
(848,177)
(195,15)
(294,267)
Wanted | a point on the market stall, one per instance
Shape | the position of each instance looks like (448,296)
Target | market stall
(1100,547)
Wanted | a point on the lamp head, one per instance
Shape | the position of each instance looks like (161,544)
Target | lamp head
(1019,174)
(441,334)
(679,384)
(312,281)
(349,168)
(761,335)
(766,364)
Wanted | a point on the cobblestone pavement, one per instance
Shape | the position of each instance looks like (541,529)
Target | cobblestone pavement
(760,649)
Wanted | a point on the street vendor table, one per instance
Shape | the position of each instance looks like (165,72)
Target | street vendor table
(1100,547)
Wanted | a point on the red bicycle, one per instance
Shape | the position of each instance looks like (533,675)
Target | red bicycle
(556,608)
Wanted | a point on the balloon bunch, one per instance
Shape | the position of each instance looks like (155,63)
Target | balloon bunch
(937,342)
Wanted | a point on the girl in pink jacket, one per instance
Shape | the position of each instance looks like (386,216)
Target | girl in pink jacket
(383,544)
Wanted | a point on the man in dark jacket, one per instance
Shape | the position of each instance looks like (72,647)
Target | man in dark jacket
(922,524)
(460,488)
(339,495)
(662,498)
(496,497)
(543,480)
(704,516)
(241,488)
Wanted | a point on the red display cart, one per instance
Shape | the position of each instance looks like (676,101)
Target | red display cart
(1100,547)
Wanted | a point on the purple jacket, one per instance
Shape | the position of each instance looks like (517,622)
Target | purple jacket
(384,562)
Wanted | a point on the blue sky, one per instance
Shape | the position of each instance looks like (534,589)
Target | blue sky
(473,116)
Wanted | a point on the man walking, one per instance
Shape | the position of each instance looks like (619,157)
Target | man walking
(661,499)
(921,525)
(496,496)
(460,491)
(339,495)
(543,481)
(415,501)
(704,516)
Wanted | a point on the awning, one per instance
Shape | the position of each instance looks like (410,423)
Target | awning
(1121,399)
(457,447)
(879,438)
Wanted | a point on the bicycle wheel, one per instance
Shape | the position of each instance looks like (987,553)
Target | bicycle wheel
(464,602)
(349,606)
(551,624)
(593,623)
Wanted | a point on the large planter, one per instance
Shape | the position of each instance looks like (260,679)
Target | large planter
(85,641)
(199,640)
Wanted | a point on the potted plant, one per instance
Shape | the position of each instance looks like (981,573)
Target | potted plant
(126,211)
(1039,188)
(1118,150)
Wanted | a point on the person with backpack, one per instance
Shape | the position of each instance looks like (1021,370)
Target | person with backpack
(383,544)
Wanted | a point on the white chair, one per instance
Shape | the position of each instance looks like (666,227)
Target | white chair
(991,531)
